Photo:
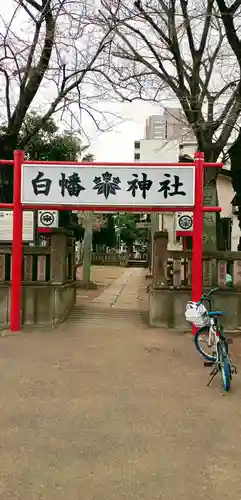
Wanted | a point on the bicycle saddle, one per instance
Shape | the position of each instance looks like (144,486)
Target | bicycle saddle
(213,314)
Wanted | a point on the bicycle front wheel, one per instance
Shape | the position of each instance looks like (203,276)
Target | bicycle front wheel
(224,365)
(201,338)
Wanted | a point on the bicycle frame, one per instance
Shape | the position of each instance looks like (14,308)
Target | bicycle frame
(214,335)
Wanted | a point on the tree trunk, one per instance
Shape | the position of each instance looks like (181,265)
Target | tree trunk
(7,145)
(88,224)
(210,220)
(235,154)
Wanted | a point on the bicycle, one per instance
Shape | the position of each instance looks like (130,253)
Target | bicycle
(207,322)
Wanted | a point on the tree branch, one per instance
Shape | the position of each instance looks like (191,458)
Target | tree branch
(231,119)
(7,89)
(235,6)
(230,30)
(34,4)
(208,17)
(67,90)
(184,4)
(212,61)
(28,91)
(30,57)
(172,43)
(229,104)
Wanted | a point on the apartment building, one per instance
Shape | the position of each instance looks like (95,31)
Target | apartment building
(155,128)
(172,124)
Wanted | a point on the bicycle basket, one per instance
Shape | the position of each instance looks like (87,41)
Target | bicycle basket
(197,314)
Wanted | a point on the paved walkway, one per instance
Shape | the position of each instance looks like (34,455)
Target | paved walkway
(123,293)
(114,410)
(119,302)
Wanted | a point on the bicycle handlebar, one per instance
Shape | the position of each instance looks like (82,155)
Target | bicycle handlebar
(207,296)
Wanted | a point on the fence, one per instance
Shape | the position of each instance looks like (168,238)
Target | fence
(48,281)
(115,259)
(215,267)
(107,258)
(172,287)
(40,264)
(111,258)
(36,264)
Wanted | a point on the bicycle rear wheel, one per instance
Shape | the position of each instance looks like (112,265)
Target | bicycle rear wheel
(201,342)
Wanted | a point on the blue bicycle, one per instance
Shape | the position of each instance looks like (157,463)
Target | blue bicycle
(210,340)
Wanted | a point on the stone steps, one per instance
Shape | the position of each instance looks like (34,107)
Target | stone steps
(118,303)
(90,314)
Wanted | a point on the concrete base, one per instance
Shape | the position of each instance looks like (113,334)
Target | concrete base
(86,286)
(41,304)
(167,308)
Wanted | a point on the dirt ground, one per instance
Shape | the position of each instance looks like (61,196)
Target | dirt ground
(109,408)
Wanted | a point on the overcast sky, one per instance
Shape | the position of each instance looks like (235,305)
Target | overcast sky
(118,144)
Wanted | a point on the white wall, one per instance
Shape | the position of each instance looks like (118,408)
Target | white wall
(158,151)
(226,194)
(166,223)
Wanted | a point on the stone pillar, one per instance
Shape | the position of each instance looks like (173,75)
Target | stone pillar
(58,269)
(237,273)
(222,271)
(160,256)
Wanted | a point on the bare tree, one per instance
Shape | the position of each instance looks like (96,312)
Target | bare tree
(178,49)
(179,46)
(49,60)
(230,14)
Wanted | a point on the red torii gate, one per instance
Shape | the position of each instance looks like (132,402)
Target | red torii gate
(18,207)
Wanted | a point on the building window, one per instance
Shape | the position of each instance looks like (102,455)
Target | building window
(137,156)
(137,145)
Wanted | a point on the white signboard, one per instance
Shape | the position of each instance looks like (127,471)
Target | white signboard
(48,218)
(108,185)
(6,225)
(184,221)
